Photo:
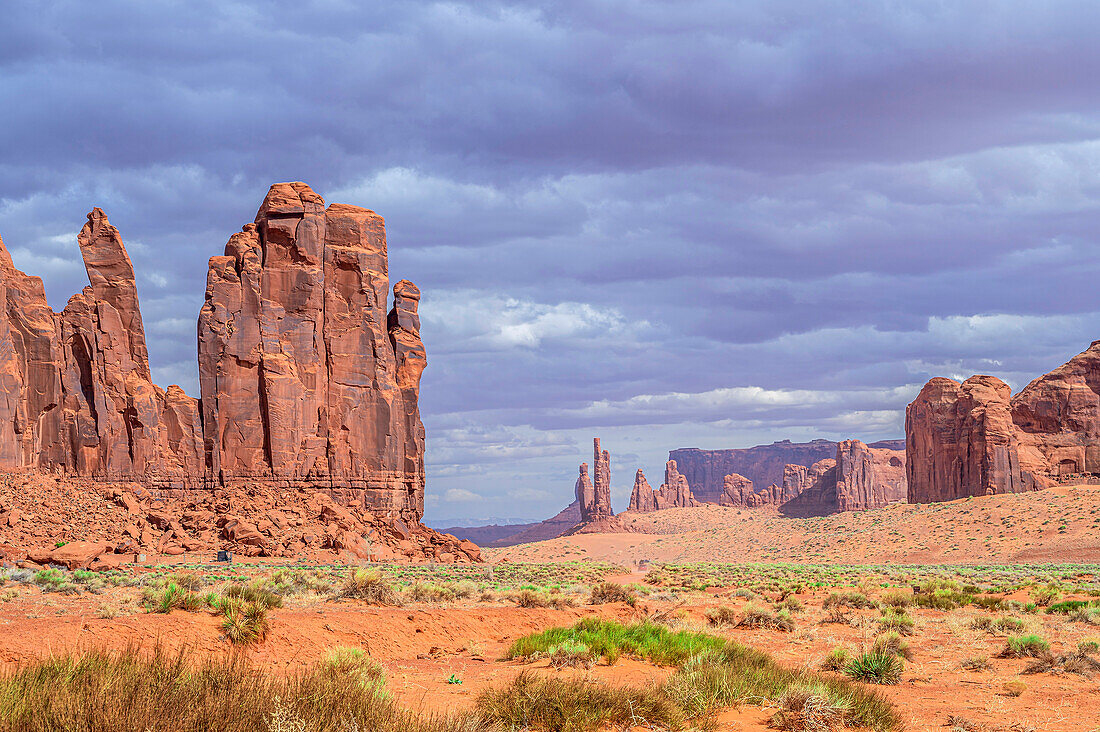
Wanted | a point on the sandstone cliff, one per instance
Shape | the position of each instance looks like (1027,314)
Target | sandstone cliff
(306,380)
(975,438)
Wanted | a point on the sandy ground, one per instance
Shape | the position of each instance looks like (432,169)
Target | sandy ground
(1055,525)
(421,646)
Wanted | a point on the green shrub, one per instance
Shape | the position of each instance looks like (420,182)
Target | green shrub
(1025,646)
(876,668)
(837,659)
(895,621)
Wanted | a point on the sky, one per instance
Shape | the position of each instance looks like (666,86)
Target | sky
(667,224)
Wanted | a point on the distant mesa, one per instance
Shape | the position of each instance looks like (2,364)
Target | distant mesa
(976,439)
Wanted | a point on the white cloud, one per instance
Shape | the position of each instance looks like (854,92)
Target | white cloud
(460,495)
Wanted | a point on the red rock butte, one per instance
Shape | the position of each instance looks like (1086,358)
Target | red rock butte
(306,379)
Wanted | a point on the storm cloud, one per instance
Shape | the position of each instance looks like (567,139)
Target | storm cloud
(676,224)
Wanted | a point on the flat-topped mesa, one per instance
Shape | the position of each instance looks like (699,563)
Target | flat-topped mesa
(306,380)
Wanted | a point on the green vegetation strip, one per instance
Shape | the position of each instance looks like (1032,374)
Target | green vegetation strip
(994,578)
(712,672)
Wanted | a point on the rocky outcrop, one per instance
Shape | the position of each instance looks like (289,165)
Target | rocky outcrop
(706,470)
(961,441)
(868,477)
(106,524)
(975,438)
(736,490)
(306,380)
(675,491)
(642,498)
(77,393)
(594,497)
(585,494)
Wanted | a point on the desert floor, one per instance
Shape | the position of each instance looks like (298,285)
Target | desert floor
(424,646)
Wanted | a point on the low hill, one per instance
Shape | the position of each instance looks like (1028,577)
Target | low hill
(1057,525)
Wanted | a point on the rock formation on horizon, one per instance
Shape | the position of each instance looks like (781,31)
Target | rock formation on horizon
(306,380)
(858,478)
(673,493)
(706,470)
(642,498)
(975,438)
(594,497)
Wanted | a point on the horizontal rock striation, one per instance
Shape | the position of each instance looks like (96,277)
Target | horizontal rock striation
(306,380)
(976,439)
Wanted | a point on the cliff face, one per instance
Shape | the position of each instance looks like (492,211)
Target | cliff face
(305,379)
(975,438)
(868,477)
(705,470)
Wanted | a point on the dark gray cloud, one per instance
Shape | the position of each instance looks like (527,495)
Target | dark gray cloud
(672,224)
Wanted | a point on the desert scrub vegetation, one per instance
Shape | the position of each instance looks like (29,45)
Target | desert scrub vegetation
(132,692)
(711,672)
(368,585)
(606,592)
(1025,646)
(837,659)
(895,621)
(998,626)
(721,617)
(757,616)
(542,703)
(876,667)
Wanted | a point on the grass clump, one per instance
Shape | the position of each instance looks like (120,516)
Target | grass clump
(244,623)
(1015,687)
(837,659)
(353,663)
(810,708)
(756,616)
(998,626)
(606,592)
(976,663)
(571,654)
(368,585)
(892,643)
(895,621)
(721,617)
(854,600)
(1025,646)
(876,667)
(533,702)
(126,691)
